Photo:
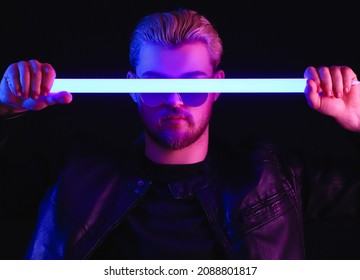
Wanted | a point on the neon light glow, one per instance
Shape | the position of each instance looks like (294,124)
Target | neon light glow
(180,85)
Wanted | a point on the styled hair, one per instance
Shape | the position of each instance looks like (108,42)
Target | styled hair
(171,29)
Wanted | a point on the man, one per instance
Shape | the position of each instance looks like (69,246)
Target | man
(179,194)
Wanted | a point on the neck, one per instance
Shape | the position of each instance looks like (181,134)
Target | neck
(196,152)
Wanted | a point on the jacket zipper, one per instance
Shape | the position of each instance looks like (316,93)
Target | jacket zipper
(215,226)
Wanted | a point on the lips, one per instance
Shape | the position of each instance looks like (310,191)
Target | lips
(175,117)
(174,120)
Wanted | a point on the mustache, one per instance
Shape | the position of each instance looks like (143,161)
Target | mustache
(175,113)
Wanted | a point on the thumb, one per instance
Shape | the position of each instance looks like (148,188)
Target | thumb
(62,97)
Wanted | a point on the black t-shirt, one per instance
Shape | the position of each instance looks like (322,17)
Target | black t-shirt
(168,223)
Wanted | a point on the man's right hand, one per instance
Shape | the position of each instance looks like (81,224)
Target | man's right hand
(26,86)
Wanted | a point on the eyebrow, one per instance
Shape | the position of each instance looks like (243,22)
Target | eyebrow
(192,74)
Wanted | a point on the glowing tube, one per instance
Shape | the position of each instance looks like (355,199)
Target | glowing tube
(180,85)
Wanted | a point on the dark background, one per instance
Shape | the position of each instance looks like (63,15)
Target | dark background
(261,38)
(84,39)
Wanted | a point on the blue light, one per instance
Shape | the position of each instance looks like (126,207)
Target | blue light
(287,85)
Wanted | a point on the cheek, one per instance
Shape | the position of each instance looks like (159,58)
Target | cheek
(147,114)
(207,107)
(203,113)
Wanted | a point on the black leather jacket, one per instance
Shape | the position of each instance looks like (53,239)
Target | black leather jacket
(255,199)
(252,199)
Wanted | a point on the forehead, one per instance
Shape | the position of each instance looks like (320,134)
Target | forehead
(175,61)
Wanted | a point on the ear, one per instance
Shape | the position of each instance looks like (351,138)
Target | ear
(219,74)
(132,75)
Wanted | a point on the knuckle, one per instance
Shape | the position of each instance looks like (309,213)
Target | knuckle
(334,69)
(34,63)
(323,70)
(23,63)
(346,70)
(11,67)
(48,69)
(45,88)
(34,66)
(35,91)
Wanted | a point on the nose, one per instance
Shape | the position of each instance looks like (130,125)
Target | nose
(174,100)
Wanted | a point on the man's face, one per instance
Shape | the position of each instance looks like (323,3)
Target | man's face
(174,124)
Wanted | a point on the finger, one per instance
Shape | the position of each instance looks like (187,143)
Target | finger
(311,73)
(24,72)
(337,81)
(12,78)
(348,76)
(35,79)
(62,97)
(326,81)
(48,77)
(312,94)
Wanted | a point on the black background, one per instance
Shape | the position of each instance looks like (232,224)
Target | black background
(261,38)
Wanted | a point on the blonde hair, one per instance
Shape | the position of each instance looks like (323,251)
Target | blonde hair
(171,29)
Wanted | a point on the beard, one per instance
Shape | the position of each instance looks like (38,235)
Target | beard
(173,137)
